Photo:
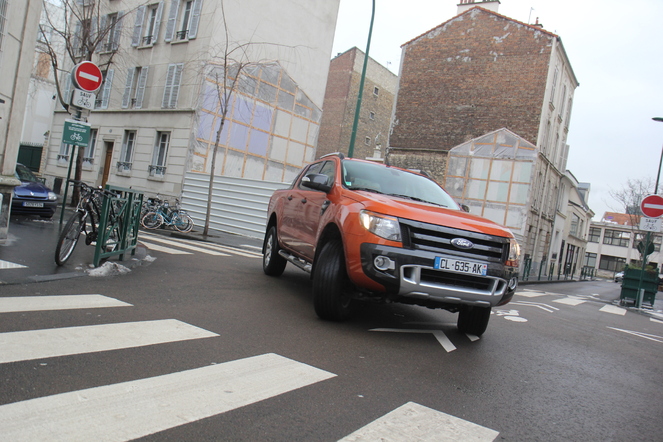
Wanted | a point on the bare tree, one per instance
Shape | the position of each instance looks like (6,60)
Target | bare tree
(72,31)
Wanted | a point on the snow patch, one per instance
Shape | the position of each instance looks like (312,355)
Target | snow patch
(109,269)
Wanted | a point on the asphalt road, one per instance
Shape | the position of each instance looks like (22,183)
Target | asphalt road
(203,346)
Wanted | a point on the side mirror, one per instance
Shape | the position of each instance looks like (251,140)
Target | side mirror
(465,208)
(316,181)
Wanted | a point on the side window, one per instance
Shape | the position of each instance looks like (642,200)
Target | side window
(328,169)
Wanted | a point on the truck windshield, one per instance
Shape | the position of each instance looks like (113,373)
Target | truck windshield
(373,177)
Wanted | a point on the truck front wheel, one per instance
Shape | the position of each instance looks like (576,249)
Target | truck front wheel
(473,320)
(331,286)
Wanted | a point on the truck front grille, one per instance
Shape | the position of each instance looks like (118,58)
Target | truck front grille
(437,239)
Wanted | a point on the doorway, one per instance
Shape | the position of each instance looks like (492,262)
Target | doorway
(106,167)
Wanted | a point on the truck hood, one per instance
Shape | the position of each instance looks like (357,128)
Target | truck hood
(428,213)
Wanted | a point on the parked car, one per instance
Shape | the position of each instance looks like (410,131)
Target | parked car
(32,197)
(619,277)
(370,232)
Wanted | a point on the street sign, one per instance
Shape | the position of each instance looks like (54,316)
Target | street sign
(76,133)
(82,99)
(650,224)
(87,76)
(652,206)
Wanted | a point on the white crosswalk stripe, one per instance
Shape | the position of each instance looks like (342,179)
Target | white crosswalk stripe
(184,245)
(60,302)
(5,265)
(202,247)
(169,250)
(139,408)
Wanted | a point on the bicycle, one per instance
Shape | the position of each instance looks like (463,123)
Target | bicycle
(88,212)
(164,215)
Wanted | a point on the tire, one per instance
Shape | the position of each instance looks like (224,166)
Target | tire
(473,320)
(273,264)
(69,238)
(182,222)
(151,220)
(332,297)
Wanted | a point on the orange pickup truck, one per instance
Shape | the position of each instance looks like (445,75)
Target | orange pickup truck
(370,232)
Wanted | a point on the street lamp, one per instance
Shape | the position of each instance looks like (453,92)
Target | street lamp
(351,149)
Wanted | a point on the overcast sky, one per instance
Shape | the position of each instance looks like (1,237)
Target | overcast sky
(615,50)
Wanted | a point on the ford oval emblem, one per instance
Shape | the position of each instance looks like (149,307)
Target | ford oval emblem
(462,243)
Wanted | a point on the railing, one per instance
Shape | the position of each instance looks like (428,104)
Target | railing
(120,220)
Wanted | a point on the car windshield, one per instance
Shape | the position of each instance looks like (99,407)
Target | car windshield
(25,174)
(373,177)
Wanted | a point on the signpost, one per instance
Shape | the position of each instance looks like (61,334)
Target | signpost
(652,208)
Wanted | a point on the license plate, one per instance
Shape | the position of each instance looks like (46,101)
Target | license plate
(32,204)
(460,266)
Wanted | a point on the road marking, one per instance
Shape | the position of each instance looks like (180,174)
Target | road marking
(570,300)
(654,338)
(184,245)
(6,265)
(61,302)
(48,343)
(546,307)
(418,423)
(612,309)
(158,248)
(530,294)
(439,335)
(656,320)
(134,409)
(205,245)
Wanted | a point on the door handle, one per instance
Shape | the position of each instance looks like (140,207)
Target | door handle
(303,200)
(289,197)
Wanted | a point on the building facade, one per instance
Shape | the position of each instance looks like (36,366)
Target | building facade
(340,104)
(160,108)
(476,74)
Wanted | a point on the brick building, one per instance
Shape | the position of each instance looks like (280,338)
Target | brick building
(340,103)
(479,74)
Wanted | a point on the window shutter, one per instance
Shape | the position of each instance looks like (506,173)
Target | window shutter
(127,88)
(105,92)
(115,43)
(67,89)
(157,22)
(138,26)
(176,86)
(172,18)
(140,92)
(195,18)
(169,86)
(77,37)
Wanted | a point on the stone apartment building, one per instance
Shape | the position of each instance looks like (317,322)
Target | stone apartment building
(340,104)
(158,111)
(475,74)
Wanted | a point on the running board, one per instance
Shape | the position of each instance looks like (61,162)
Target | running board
(306,266)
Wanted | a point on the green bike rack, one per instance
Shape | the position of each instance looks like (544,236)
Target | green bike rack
(117,233)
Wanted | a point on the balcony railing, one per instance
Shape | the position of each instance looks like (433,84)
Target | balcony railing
(123,166)
(156,170)
(182,35)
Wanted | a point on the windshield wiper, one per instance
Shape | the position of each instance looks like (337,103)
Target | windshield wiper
(414,198)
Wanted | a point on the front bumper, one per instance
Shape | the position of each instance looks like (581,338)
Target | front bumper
(412,278)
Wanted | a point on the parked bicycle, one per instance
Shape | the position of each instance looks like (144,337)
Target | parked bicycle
(86,220)
(163,215)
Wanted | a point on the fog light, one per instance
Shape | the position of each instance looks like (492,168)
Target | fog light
(513,283)
(383,263)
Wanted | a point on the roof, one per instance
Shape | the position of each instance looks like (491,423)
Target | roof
(623,219)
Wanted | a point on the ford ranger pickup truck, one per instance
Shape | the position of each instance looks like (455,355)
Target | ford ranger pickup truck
(370,232)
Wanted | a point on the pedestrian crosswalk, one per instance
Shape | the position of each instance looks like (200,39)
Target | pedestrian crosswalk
(141,407)
(177,246)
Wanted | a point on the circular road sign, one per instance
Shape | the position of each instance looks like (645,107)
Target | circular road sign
(652,206)
(87,76)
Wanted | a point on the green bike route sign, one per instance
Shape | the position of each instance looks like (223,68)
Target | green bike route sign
(76,133)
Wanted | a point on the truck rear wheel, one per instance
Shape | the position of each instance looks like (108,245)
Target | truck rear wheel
(473,320)
(332,299)
(273,264)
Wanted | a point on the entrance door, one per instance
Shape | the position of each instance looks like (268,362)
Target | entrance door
(108,146)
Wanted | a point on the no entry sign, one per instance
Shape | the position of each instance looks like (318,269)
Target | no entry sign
(87,76)
(652,206)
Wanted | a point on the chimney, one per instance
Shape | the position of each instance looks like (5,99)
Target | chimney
(491,5)
(537,24)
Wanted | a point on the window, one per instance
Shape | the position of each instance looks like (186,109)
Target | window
(134,89)
(102,99)
(148,22)
(554,85)
(655,239)
(367,141)
(371,115)
(110,23)
(128,145)
(183,19)
(158,166)
(612,263)
(3,20)
(172,89)
(575,223)
(63,156)
(594,234)
(616,238)
(590,260)
(88,156)
(376,91)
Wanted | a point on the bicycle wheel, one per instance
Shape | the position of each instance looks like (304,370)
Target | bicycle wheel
(69,238)
(152,220)
(182,222)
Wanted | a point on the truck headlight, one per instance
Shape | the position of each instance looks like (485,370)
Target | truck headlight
(514,253)
(383,226)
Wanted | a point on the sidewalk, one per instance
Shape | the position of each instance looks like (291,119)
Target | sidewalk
(28,256)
